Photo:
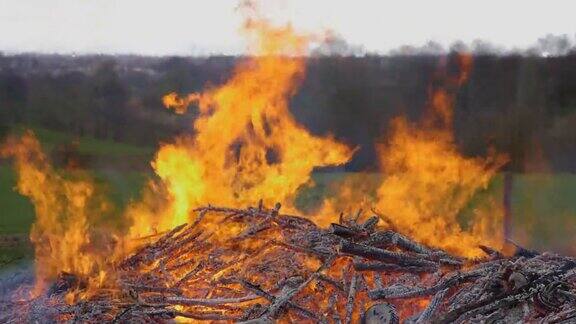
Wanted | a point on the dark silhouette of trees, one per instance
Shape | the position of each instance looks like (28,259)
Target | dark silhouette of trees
(519,104)
(13,94)
(109,98)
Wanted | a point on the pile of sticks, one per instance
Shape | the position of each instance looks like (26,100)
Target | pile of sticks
(256,265)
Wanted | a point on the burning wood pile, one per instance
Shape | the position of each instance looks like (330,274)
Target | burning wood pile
(256,265)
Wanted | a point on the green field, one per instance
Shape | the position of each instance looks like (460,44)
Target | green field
(87,145)
(119,184)
(543,205)
(113,176)
(16,213)
(544,211)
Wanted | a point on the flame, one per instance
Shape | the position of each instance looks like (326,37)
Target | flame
(427,182)
(179,105)
(64,207)
(247,146)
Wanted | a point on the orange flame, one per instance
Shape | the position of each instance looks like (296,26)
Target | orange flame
(64,208)
(427,183)
(247,144)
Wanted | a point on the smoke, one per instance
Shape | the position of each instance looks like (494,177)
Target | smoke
(335,44)
(549,45)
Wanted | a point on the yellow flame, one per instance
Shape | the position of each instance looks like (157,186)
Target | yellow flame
(247,144)
(63,210)
(428,183)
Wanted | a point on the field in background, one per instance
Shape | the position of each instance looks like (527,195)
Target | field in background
(118,169)
(543,205)
(544,211)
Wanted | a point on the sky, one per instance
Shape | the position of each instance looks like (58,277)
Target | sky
(194,27)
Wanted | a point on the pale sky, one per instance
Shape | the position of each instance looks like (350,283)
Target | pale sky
(161,27)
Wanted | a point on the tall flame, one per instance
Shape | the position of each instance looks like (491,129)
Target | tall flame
(428,182)
(64,207)
(247,146)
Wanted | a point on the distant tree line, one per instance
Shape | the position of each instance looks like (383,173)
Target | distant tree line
(524,105)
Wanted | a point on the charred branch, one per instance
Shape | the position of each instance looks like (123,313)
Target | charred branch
(192,271)
(374,253)
(450,282)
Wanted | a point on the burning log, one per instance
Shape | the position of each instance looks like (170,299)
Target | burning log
(351,298)
(506,299)
(432,307)
(391,238)
(452,281)
(269,266)
(373,253)
(278,302)
(390,267)
(342,231)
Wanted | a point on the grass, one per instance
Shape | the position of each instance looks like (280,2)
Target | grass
(544,205)
(16,212)
(13,255)
(16,217)
(544,210)
(87,145)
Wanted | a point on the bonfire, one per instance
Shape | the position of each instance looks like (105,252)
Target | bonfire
(384,253)
(275,267)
